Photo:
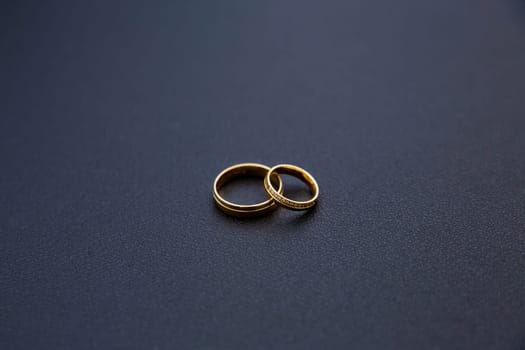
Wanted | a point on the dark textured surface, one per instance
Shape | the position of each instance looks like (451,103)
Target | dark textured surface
(115,119)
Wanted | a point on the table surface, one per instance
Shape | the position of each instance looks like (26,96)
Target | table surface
(117,116)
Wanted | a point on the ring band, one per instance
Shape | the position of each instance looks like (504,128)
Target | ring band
(296,172)
(245,210)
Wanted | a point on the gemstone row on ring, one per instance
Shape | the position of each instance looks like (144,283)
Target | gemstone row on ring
(284,201)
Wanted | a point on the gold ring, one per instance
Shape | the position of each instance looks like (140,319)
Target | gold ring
(244,210)
(297,172)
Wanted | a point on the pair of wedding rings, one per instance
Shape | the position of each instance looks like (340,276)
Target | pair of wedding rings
(272,184)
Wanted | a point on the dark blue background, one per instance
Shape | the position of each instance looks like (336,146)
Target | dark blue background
(116,117)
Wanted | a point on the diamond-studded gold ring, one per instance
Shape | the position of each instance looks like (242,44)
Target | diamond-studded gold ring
(295,171)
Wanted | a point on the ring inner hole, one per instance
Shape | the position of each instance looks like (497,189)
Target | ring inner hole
(246,189)
(295,188)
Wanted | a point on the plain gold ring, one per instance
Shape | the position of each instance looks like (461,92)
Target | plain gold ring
(245,210)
